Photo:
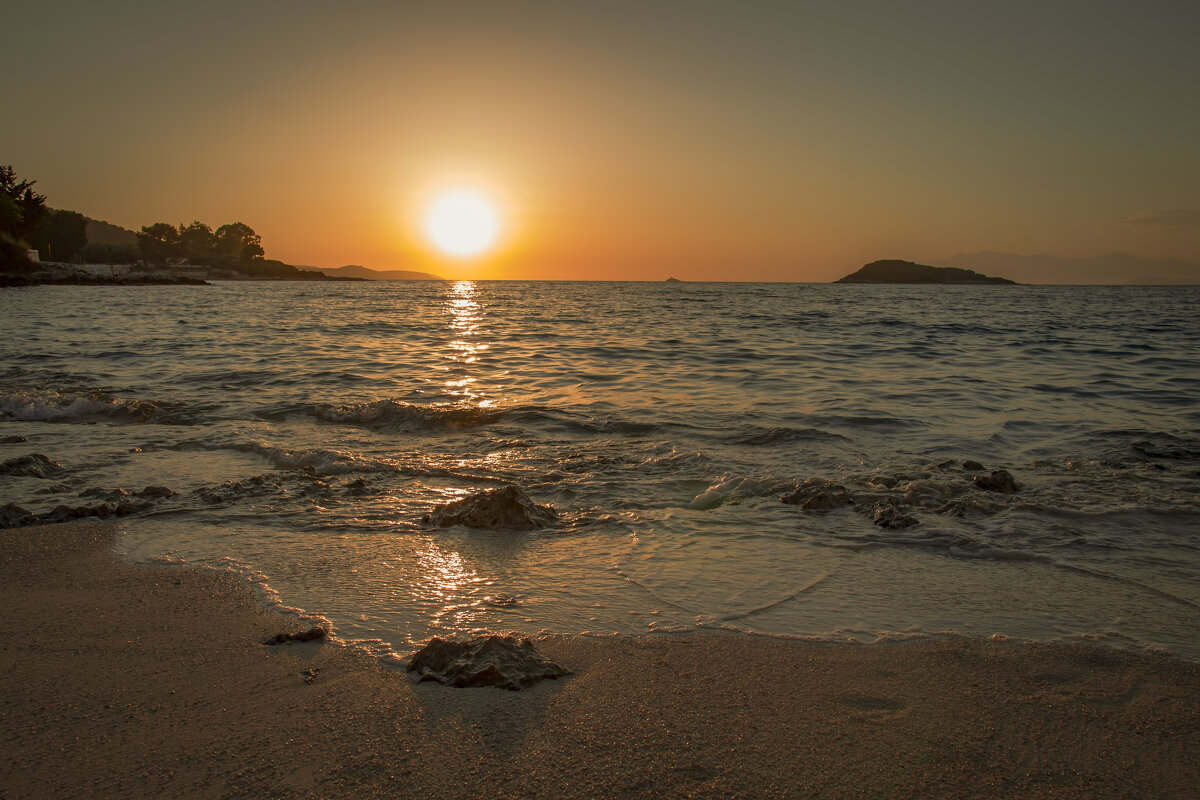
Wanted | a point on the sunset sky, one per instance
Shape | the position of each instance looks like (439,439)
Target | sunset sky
(621,140)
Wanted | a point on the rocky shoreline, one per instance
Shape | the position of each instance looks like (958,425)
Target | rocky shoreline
(56,274)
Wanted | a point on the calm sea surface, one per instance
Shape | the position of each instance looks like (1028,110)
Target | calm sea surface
(306,429)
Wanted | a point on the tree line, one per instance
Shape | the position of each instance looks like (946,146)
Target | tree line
(59,235)
(232,244)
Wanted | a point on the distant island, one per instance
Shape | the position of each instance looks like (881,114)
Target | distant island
(897,271)
(368,274)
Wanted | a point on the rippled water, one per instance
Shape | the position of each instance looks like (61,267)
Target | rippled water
(306,430)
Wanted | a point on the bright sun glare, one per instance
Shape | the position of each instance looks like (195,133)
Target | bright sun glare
(462,223)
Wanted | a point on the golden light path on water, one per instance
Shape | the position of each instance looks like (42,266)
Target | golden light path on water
(465,349)
(447,583)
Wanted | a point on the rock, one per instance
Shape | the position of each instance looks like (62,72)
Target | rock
(508,508)
(827,501)
(247,487)
(507,662)
(66,513)
(818,494)
(155,491)
(887,515)
(12,439)
(109,495)
(972,466)
(34,465)
(998,481)
(13,516)
(314,634)
(358,487)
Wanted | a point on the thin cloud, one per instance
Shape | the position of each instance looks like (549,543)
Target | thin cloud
(1180,219)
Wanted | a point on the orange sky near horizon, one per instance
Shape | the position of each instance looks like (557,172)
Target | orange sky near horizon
(707,142)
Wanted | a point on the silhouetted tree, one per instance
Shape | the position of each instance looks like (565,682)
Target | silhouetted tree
(196,240)
(159,242)
(29,205)
(60,236)
(238,242)
(21,209)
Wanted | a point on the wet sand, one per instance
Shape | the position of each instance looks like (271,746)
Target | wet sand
(118,680)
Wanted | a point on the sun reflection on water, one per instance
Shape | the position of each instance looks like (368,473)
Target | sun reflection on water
(466,315)
(449,586)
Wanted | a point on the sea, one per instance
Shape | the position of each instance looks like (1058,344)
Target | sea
(305,434)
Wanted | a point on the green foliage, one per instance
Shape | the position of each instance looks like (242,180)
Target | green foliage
(12,256)
(60,236)
(103,253)
(196,241)
(158,242)
(30,206)
(106,233)
(238,242)
(233,246)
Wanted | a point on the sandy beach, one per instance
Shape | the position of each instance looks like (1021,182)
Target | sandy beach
(119,680)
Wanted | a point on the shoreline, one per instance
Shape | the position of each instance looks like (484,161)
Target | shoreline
(131,680)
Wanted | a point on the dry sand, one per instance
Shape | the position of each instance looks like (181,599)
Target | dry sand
(119,680)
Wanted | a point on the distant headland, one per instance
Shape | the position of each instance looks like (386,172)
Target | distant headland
(897,271)
(368,274)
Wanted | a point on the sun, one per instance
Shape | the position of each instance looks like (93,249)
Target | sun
(462,223)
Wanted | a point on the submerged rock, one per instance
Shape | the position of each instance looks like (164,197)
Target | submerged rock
(314,634)
(972,466)
(999,481)
(18,439)
(818,494)
(13,516)
(887,515)
(358,487)
(104,510)
(34,465)
(507,662)
(507,508)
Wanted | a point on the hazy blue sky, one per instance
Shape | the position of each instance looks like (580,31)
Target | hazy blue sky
(749,140)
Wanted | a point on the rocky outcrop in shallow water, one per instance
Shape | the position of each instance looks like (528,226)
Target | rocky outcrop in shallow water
(892,501)
(508,508)
(999,481)
(818,494)
(34,465)
(506,662)
(13,516)
(888,515)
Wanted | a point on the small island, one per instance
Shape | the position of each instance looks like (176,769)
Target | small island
(897,271)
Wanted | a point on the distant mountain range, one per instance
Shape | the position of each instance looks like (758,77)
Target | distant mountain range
(355,271)
(1114,268)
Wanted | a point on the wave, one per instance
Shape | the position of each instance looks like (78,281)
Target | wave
(758,437)
(390,414)
(70,406)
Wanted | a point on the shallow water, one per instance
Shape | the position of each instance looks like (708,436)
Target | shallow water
(306,429)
